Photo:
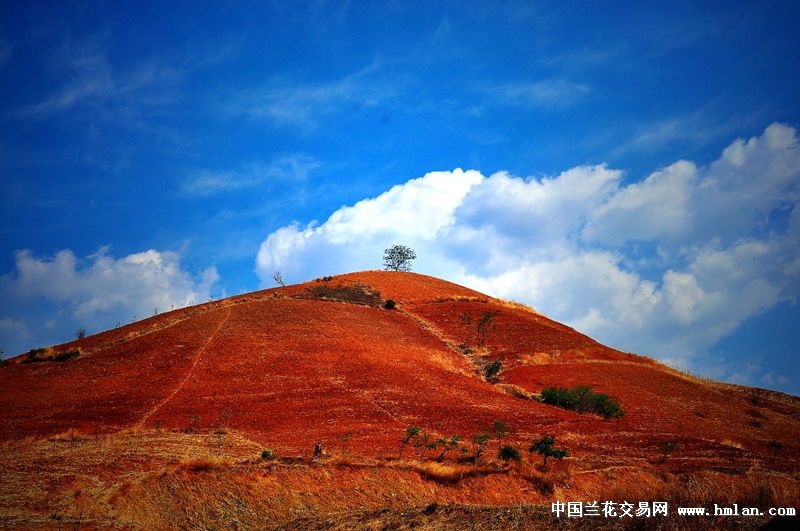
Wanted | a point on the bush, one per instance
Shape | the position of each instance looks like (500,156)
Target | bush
(390,305)
(507,453)
(38,355)
(583,400)
(492,370)
(267,453)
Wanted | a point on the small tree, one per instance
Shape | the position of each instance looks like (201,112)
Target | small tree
(447,445)
(480,441)
(667,448)
(278,278)
(544,447)
(424,442)
(398,258)
(500,430)
(411,433)
(80,333)
(485,323)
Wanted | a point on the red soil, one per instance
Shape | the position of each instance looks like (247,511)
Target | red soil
(287,370)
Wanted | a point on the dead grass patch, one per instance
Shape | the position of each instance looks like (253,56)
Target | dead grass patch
(71,435)
(60,354)
(353,294)
(205,464)
(513,390)
(445,472)
(731,444)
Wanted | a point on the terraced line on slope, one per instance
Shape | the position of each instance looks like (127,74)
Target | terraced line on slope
(189,373)
(193,311)
(436,332)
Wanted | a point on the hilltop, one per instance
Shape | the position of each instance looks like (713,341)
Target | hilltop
(162,422)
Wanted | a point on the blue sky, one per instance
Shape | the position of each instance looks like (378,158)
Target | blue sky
(632,171)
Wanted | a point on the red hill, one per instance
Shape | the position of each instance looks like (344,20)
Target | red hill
(162,422)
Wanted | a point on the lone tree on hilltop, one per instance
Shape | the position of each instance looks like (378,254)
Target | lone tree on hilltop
(398,258)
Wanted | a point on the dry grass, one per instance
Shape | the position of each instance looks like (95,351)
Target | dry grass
(514,305)
(355,294)
(445,472)
(60,353)
(71,435)
(205,464)
(513,390)
(731,444)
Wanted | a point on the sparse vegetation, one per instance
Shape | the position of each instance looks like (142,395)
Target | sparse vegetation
(412,432)
(425,442)
(398,258)
(508,453)
(447,445)
(354,294)
(500,430)
(39,355)
(205,464)
(480,441)
(544,447)
(755,397)
(491,370)
(483,325)
(390,305)
(267,453)
(583,400)
(80,333)
(667,448)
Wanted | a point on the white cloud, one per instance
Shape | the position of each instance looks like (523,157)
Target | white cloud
(47,298)
(570,244)
(543,93)
(291,168)
(91,80)
(303,106)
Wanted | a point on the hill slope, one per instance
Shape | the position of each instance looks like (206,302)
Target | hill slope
(324,362)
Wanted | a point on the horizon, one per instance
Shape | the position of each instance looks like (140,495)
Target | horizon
(636,179)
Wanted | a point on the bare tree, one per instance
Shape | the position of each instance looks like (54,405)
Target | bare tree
(80,333)
(276,276)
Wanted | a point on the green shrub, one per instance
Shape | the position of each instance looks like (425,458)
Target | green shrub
(583,400)
(507,453)
(267,453)
(492,370)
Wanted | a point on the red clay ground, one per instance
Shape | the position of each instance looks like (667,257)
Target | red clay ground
(324,362)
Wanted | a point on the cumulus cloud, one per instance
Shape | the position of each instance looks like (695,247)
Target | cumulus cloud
(664,266)
(46,299)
